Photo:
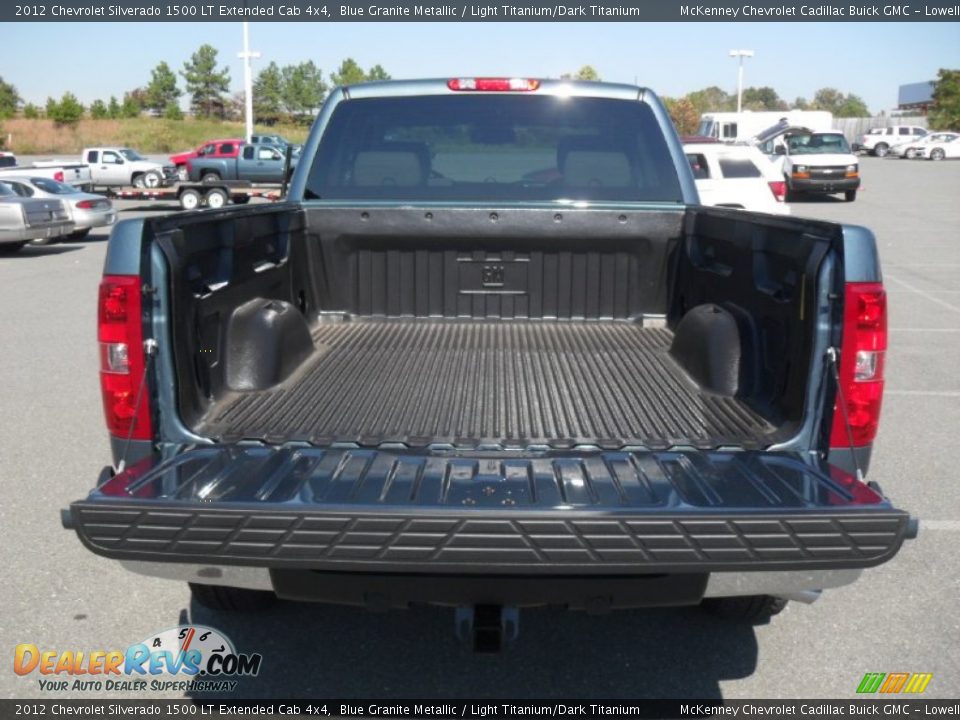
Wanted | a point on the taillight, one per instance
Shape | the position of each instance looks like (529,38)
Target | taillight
(493,84)
(58,176)
(779,189)
(87,204)
(861,365)
(122,357)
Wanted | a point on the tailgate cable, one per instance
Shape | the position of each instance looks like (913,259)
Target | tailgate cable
(149,349)
(832,357)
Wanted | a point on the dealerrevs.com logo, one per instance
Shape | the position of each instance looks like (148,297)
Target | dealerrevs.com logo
(184,659)
(893,683)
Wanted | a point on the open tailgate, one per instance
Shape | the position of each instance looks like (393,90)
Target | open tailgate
(489,513)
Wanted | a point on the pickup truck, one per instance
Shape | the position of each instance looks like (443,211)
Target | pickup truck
(256,163)
(75,174)
(120,166)
(492,353)
(24,220)
(229,148)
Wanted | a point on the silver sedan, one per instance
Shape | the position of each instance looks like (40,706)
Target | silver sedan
(87,210)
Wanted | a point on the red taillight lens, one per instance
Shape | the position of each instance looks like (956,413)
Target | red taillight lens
(122,358)
(86,204)
(58,176)
(493,84)
(779,189)
(861,364)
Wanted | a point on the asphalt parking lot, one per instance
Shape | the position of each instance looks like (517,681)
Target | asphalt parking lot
(903,616)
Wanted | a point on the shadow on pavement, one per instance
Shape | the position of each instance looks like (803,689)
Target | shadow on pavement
(32,251)
(323,651)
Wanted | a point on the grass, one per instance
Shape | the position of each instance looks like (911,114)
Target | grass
(148,135)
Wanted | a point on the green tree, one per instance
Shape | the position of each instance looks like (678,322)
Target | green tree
(303,88)
(98,110)
(586,72)
(762,98)
(162,89)
(268,94)
(378,73)
(31,111)
(838,103)
(67,111)
(172,111)
(945,113)
(349,73)
(712,99)
(206,84)
(801,104)
(114,110)
(9,99)
(684,115)
(852,106)
(132,104)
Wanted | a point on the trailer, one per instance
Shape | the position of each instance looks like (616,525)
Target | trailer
(193,196)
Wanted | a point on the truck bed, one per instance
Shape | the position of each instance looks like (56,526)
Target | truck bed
(418,382)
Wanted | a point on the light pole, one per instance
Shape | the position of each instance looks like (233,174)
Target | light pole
(247,55)
(740,54)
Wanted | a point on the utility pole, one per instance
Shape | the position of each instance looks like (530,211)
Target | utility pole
(740,54)
(247,55)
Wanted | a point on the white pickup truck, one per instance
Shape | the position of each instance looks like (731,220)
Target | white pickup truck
(120,166)
(65,171)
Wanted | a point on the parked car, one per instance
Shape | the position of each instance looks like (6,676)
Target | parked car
(426,378)
(819,163)
(256,163)
(7,159)
(947,147)
(278,140)
(737,176)
(120,166)
(908,149)
(86,210)
(878,141)
(24,220)
(214,149)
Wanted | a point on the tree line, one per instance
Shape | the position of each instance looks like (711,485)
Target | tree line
(295,92)
(291,92)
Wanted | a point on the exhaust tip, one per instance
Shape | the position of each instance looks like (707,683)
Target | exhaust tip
(913,528)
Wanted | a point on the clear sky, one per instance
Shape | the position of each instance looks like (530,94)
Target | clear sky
(96,60)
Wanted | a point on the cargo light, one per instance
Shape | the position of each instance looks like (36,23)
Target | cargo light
(493,84)
(58,176)
(122,358)
(861,365)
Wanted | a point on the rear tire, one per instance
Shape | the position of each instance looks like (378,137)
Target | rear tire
(937,154)
(41,242)
(910,154)
(850,195)
(209,178)
(231,599)
(881,150)
(216,199)
(755,609)
(138,182)
(11,248)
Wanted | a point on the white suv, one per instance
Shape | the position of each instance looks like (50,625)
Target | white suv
(737,176)
(878,141)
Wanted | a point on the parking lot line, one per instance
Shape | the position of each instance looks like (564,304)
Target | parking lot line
(949,525)
(915,329)
(922,293)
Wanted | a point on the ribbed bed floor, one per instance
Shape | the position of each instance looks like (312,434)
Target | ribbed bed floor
(514,383)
